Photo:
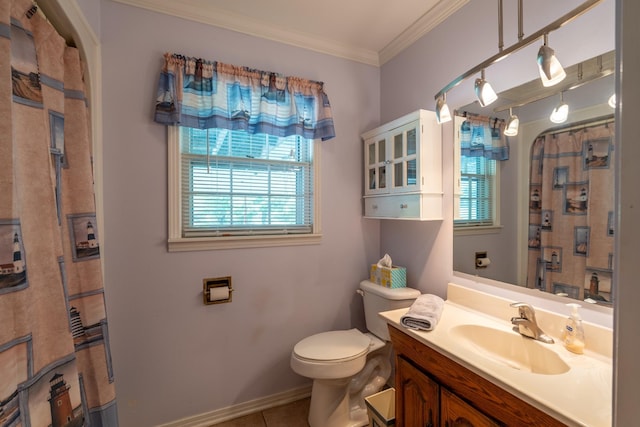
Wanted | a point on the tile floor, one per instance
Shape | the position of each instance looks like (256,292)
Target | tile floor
(294,414)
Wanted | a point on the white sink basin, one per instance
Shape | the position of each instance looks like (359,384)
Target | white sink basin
(511,349)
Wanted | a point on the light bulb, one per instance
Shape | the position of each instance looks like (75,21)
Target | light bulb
(560,113)
(512,125)
(551,71)
(485,93)
(443,114)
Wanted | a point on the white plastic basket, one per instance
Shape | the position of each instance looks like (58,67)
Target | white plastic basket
(382,408)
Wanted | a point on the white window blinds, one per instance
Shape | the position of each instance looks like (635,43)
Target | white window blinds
(237,184)
(476,191)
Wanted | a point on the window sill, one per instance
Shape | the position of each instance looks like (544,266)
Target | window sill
(478,230)
(240,242)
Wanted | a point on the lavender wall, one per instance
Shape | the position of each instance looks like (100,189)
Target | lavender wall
(164,340)
(91,11)
(412,78)
(175,357)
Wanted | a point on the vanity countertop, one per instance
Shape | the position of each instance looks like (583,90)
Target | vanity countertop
(582,396)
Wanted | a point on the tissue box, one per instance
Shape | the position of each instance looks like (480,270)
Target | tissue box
(394,277)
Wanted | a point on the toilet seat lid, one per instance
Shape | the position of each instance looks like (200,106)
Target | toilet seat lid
(333,345)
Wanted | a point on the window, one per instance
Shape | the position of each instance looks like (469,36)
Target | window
(476,189)
(231,189)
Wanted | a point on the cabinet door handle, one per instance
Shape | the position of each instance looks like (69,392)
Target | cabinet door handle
(403,206)
(374,206)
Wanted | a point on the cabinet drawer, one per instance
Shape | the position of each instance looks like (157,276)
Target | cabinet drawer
(404,206)
(401,206)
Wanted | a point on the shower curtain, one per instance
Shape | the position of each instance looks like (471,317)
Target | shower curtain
(55,366)
(571,212)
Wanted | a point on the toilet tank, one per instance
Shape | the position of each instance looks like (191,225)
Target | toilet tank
(378,298)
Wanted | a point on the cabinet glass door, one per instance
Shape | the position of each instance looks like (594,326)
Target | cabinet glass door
(382,164)
(411,163)
(376,160)
(398,154)
(405,158)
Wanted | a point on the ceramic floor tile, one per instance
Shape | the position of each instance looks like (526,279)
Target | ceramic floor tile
(252,420)
(294,414)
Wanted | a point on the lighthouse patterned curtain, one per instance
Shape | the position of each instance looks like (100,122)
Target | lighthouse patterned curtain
(55,367)
(571,213)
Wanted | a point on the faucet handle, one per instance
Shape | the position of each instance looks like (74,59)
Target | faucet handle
(525,310)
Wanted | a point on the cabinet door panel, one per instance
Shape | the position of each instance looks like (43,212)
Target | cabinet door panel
(458,413)
(382,150)
(398,175)
(376,165)
(417,397)
(406,152)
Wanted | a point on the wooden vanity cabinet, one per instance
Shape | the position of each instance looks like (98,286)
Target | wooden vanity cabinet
(433,390)
(418,395)
(455,412)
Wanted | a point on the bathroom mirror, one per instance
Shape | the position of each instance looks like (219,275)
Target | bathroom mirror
(508,246)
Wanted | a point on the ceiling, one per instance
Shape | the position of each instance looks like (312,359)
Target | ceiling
(367,31)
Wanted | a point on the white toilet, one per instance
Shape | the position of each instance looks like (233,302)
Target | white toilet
(348,365)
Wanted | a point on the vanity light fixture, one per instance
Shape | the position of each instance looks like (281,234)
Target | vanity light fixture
(578,75)
(511,129)
(485,93)
(561,112)
(546,55)
(551,71)
(443,114)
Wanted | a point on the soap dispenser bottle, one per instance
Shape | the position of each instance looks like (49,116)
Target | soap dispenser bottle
(573,334)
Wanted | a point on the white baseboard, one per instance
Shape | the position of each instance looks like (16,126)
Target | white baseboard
(225,414)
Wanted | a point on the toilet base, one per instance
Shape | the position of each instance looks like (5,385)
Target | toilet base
(340,402)
(330,405)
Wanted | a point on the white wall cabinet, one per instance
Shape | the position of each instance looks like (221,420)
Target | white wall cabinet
(403,168)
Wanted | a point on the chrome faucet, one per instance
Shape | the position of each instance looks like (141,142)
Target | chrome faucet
(526,323)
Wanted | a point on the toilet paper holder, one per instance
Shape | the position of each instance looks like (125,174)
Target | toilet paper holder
(482,260)
(217,290)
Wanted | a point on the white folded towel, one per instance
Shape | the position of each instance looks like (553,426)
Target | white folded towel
(424,313)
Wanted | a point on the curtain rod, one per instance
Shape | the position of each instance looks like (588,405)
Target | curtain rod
(583,124)
(477,116)
(563,20)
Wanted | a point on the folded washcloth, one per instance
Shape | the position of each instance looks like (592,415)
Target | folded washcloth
(424,313)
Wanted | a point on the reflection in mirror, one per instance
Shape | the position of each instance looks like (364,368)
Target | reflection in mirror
(571,211)
(527,254)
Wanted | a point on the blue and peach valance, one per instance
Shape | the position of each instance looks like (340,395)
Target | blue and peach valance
(202,94)
(482,136)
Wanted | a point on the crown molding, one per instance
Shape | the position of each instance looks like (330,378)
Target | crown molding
(432,18)
(235,22)
(218,17)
